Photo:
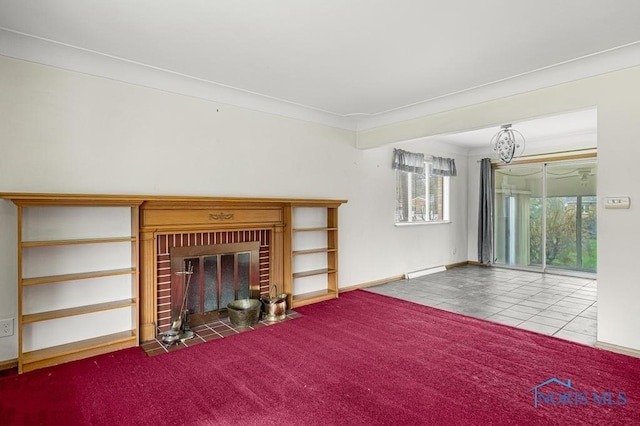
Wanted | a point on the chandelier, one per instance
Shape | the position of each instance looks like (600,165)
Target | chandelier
(507,144)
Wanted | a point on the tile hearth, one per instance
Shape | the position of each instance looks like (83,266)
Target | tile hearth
(207,332)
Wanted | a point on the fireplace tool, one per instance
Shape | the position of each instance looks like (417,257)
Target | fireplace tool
(180,330)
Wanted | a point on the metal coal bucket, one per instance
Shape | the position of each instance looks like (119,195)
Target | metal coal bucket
(275,306)
(244,312)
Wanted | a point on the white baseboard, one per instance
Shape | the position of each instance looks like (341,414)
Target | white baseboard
(423,272)
(618,349)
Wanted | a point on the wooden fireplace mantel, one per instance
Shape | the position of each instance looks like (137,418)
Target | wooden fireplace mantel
(203,214)
(158,214)
(114,199)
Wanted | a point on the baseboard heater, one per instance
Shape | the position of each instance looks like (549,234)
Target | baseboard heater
(423,272)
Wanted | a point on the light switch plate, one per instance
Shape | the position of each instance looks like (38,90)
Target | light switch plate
(617,202)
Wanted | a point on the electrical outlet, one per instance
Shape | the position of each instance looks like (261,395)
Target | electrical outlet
(6,327)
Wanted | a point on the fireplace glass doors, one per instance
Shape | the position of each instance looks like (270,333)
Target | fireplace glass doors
(221,274)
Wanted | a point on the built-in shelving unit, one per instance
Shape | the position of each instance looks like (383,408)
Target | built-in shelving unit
(87,270)
(312,272)
(77,277)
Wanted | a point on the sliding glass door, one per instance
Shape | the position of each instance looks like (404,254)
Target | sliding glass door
(545,216)
(571,219)
(518,192)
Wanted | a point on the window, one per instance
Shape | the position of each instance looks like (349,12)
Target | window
(421,198)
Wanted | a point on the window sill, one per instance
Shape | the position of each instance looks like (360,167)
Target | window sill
(442,222)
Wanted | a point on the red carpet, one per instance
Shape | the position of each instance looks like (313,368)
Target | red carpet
(360,359)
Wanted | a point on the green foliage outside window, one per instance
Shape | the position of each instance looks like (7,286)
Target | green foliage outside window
(563,249)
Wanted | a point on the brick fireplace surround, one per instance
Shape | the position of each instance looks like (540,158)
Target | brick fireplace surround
(166,242)
(176,223)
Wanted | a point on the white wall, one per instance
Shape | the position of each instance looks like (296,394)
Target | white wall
(67,132)
(616,97)
(372,247)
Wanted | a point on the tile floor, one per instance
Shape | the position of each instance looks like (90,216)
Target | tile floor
(206,333)
(555,305)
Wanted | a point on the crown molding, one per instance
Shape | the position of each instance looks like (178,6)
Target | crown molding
(46,52)
(588,66)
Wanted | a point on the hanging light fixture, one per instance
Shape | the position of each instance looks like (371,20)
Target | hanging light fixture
(507,144)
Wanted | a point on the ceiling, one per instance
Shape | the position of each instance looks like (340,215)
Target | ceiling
(577,129)
(344,63)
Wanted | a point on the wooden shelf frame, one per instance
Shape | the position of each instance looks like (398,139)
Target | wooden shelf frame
(77,350)
(52,279)
(322,229)
(30,360)
(311,273)
(312,251)
(51,243)
(314,297)
(330,250)
(77,310)
(110,200)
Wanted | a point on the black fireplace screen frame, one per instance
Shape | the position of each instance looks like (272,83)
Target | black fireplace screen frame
(198,284)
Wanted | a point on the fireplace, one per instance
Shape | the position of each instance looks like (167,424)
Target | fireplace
(226,266)
(213,276)
(235,248)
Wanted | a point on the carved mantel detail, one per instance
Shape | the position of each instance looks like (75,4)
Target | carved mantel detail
(221,216)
